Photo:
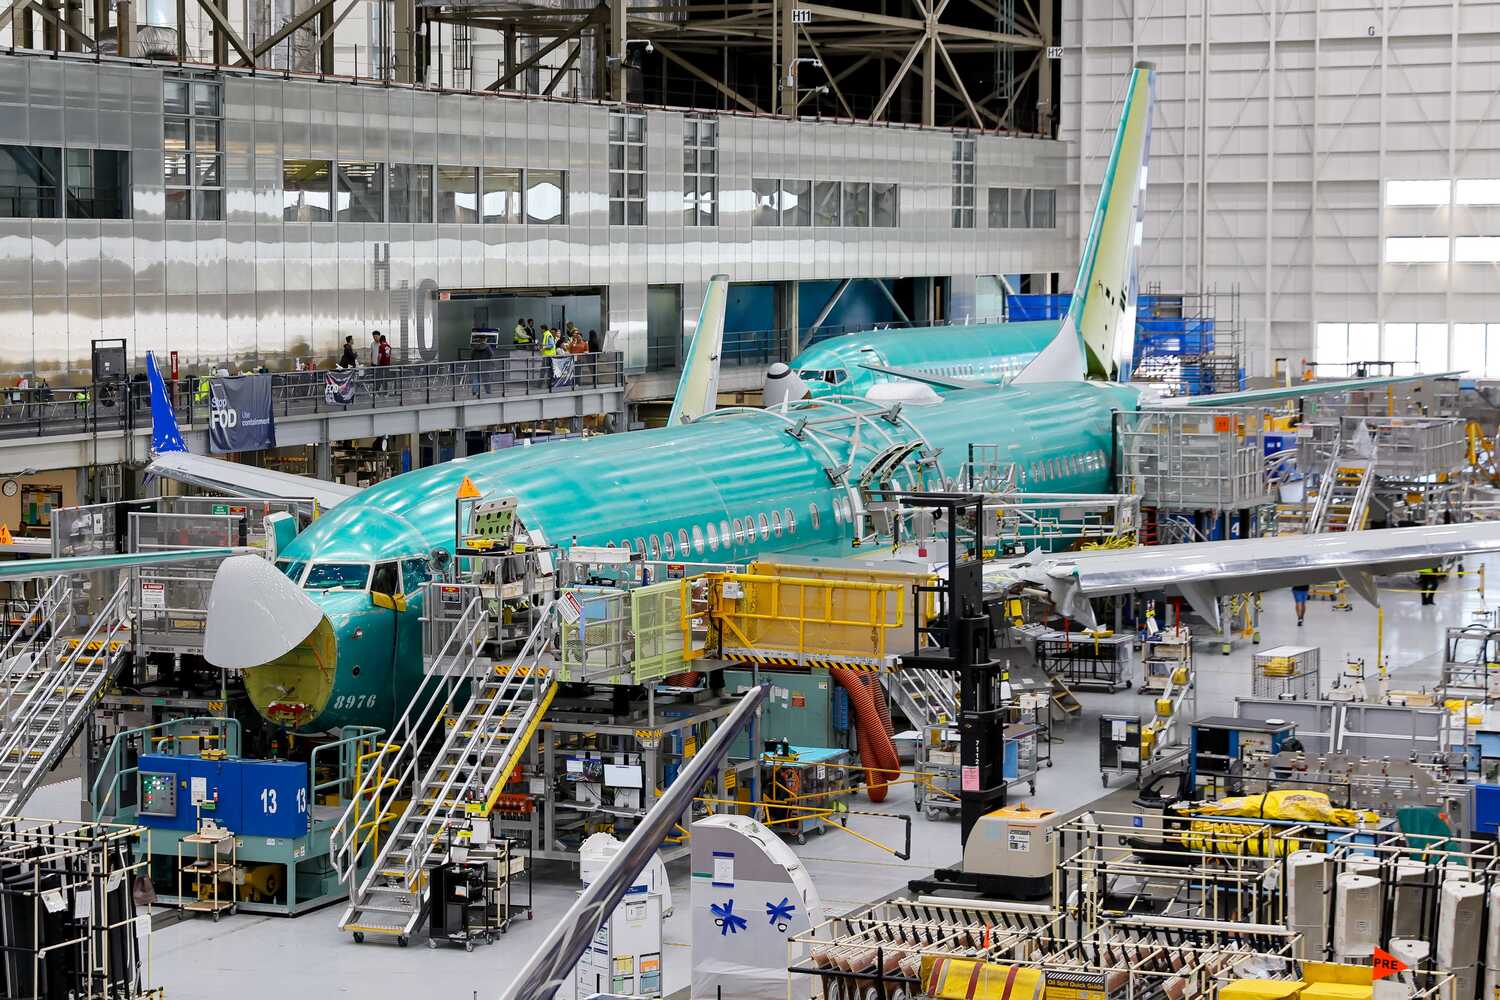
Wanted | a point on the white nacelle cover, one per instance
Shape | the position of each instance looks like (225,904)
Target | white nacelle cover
(255,614)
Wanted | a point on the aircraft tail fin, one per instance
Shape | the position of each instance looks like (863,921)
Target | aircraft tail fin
(165,435)
(1096,338)
(698,389)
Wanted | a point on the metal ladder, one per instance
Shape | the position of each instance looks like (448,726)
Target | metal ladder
(455,747)
(925,697)
(1344,499)
(49,683)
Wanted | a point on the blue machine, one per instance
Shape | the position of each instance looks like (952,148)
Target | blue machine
(251,798)
(1218,743)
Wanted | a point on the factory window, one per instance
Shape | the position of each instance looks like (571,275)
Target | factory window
(796,203)
(1043,208)
(1477,191)
(700,172)
(999,208)
(856,204)
(1477,249)
(682,541)
(411,192)
(1424,192)
(791,521)
(1477,347)
(500,195)
(307,190)
(98,183)
(414,573)
(1416,249)
(1020,209)
(885,205)
(766,204)
(193,149)
(546,197)
(963,183)
(812,515)
(359,192)
(29,182)
(627,169)
(697,540)
(457,194)
(765,527)
(828,203)
(337,576)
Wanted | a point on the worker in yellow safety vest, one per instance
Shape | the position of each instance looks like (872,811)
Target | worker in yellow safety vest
(521,337)
(549,342)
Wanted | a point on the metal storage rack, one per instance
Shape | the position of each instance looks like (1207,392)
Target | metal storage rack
(1471,664)
(1101,663)
(1119,746)
(805,777)
(1287,673)
(938,787)
(1020,765)
(206,872)
(1162,655)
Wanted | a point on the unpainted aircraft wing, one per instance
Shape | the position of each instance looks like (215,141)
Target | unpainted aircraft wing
(1202,572)
(236,480)
(171,459)
(19,569)
(926,378)
(1305,389)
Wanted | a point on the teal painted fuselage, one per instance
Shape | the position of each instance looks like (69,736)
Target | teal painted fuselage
(732,486)
(992,352)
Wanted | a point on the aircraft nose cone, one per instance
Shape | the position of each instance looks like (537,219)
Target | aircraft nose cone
(255,614)
(782,386)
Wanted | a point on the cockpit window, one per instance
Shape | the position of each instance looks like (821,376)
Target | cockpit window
(292,568)
(833,376)
(338,576)
(414,573)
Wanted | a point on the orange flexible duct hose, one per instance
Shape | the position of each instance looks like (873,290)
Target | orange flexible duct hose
(687,680)
(876,751)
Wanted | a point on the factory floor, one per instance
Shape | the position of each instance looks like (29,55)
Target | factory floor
(291,959)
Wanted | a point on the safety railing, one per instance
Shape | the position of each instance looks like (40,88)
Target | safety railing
(805,619)
(105,794)
(1194,459)
(30,645)
(394,765)
(125,405)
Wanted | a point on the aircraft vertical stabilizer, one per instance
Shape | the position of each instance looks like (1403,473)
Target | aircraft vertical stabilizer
(698,389)
(165,434)
(1097,335)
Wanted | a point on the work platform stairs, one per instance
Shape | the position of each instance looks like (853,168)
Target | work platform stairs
(446,759)
(53,669)
(1340,500)
(925,697)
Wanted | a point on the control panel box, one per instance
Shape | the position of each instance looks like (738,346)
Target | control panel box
(255,798)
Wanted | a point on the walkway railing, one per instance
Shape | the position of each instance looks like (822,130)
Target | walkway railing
(49,410)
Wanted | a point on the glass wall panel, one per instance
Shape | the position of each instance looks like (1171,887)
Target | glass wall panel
(29,187)
(361,191)
(411,192)
(502,194)
(457,194)
(307,190)
(885,209)
(796,203)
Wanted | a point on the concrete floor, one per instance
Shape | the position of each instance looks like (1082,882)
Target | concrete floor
(254,956)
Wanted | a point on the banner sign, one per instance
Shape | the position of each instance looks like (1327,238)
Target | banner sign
(564,372)
(338,387)
(239,417)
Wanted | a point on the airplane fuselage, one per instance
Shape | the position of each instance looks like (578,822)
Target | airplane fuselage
(732,486)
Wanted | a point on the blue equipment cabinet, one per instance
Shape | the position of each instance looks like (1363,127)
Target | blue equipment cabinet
(255,798)
(1218,743)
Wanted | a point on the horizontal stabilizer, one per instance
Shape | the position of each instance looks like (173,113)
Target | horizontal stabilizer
(236,480)
(23,569)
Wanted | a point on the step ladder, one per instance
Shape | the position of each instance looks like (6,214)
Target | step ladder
(1347,493)
(51,677)
(925,697)
(1064,699)
(450,755)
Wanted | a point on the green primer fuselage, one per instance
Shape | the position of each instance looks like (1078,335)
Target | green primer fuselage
(991,352)
(644,486)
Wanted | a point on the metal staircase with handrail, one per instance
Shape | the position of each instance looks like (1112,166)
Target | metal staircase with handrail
(451,752)
(925,697)
(50,681)
(1348,492)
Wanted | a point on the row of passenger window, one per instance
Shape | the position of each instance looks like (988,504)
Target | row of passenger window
(1076,464)
(726,534)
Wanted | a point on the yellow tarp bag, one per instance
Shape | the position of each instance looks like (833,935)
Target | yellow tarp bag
(1260,989)
(1339,973)
(970,979)
(1290,804)
(1337,991)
